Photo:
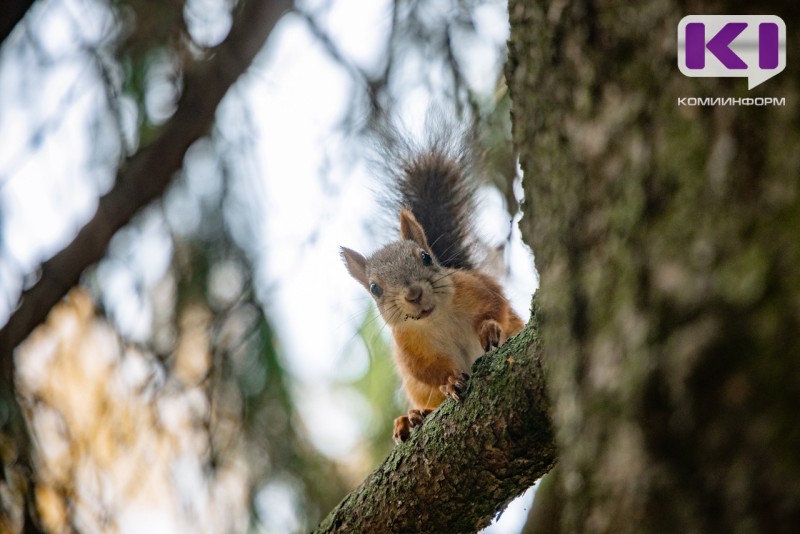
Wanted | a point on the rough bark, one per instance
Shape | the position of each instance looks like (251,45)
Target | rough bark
(468,460)
(667,240)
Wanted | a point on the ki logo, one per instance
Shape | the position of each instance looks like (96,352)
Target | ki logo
(746,46)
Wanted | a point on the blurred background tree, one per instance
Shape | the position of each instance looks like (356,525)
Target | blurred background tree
(216,370)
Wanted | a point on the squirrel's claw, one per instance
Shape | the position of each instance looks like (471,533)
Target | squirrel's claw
(404,424)
(490,333)
(416,417)
(456,386)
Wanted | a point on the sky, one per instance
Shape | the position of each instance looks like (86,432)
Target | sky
(293,96)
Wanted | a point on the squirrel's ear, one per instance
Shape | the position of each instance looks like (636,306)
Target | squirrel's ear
(356,265)
(411,229)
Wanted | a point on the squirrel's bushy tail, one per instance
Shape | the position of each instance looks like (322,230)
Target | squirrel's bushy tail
(433,180)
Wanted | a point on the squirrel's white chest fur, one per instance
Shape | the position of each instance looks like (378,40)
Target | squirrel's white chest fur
(453,334)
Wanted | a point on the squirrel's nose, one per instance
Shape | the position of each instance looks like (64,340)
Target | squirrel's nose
(414,294)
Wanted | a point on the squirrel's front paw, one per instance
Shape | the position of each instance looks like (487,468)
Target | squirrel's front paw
(456,386)
(490,333)
(402,429)
(404,424)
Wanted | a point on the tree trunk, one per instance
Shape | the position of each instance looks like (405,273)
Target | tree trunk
(667,239)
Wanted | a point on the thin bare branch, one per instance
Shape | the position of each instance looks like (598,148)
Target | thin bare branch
(146,174)
(11,14)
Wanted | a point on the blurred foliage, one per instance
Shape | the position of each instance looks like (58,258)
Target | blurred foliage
(494,139)
(379,386)
(253,409)
(203,412)
(117,433)
(152,36)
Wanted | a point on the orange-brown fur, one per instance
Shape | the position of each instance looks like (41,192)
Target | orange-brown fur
(442,311)
(423,370)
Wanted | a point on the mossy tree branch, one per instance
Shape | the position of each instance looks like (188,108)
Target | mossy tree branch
(468,460)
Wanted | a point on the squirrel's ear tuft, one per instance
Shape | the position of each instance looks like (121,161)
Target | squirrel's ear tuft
(356,265)
(411,229)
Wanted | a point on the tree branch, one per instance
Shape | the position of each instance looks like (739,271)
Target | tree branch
(10,16)
(467,461)
(146,174)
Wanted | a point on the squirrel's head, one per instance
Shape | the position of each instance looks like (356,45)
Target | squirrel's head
(404,277)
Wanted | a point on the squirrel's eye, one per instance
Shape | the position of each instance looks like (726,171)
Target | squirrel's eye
(375,289)
(426,259)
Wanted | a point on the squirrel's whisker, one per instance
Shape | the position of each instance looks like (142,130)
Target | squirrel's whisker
(426,285)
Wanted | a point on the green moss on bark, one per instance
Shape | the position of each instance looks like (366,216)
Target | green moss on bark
(468,460)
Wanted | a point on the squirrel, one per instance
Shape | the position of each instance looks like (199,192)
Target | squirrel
(443,312)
